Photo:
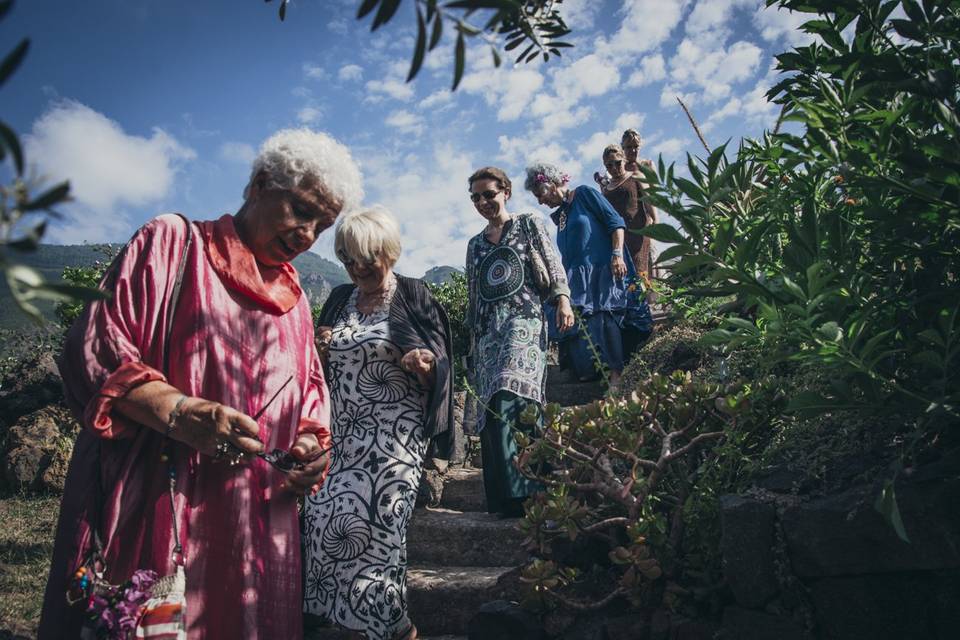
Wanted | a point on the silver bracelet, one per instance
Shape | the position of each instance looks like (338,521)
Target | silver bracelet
(175,414)
(617,253)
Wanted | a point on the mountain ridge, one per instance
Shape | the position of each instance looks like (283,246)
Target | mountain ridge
(317,274)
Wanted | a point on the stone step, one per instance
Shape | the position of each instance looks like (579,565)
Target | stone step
(556,375)
(463,490)
(441,600)
(575,393)
(445,537)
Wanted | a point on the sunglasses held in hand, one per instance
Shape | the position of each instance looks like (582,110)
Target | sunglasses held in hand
(280,459)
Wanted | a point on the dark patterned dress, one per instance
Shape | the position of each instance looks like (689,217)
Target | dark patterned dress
(355,526)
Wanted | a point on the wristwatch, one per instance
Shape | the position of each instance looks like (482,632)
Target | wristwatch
(617,253)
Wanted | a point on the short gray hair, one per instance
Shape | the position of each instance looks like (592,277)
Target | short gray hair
(542,172)
(366,234)
(290,156)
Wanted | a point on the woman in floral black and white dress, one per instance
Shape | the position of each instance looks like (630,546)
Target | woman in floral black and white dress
(387,345)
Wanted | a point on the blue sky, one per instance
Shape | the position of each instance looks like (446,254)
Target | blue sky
(150,106)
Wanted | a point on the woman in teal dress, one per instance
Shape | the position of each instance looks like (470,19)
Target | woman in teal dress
(590,236)
(509,332)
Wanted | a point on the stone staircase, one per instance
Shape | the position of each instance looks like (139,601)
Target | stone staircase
(459,556)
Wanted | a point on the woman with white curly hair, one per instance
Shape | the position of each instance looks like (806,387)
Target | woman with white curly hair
(590,236)
(386,345)
(205,411)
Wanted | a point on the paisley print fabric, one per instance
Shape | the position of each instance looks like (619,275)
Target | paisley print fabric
(509,330)
(355,527)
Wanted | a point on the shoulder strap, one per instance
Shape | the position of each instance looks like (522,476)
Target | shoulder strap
(533,239)
(175,294)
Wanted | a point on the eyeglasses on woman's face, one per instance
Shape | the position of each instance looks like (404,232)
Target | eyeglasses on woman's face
(613,163)
(489,194)
(349,262)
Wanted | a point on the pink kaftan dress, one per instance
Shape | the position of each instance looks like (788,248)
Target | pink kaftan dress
(238,335)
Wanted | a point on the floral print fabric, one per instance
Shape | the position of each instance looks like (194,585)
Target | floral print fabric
(355,527)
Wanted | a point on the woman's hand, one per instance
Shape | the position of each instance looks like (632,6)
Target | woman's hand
(421,363)
(618,267)
(564,314)
(323,337)
(204,424)
(315,460)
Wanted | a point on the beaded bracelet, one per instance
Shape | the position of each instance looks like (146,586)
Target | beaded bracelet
(175,414)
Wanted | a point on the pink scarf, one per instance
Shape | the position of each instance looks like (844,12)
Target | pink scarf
(276,289)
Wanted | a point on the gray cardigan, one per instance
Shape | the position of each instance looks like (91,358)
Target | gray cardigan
(416,321)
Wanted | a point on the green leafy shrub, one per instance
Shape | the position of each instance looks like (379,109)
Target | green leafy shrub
(452,296)
(87,277)
(622,476)
(839,243)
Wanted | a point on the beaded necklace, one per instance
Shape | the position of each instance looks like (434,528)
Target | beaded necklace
(381,301)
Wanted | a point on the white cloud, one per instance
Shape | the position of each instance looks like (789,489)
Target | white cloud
(591,150)
(350,72)
(652,69)
(314,72)
(309,115)
(237,152)
(713,70)
(579,14)
(559,120)
(752,106)
(710,19)
(646,25)
(396,89)
(510,90)
(591,75)
(671,148)
(670,93)
(536,147)
(406,122)
(392,85)
(782,26)
(338,26)
(435,215)
(107,167)
(437,99)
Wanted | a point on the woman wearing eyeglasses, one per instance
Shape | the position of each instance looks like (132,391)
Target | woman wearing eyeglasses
(590,235)
(625,192)
(509,331)
(386,346)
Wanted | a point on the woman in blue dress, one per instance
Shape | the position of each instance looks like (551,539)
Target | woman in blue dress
(602,279)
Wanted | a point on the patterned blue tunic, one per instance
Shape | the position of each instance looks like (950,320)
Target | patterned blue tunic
(509,332)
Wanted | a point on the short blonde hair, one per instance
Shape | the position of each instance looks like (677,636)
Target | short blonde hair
(367,233)
(611,149)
